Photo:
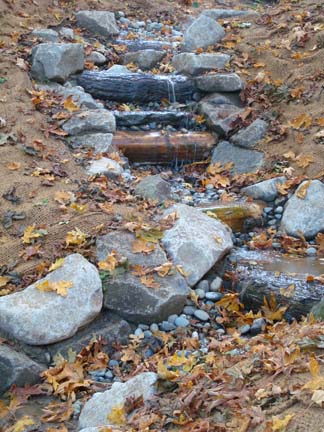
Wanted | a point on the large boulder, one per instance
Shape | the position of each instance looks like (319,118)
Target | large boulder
(244,160)
(17,368)
(91,121)
(153,187)
(203,32)
(46,35)
(127,295)
(56,61)
(99,142)
(251,135)
(196,64)
(99,23)
(223,98)
(265,190)
(144,59)
(97,410)
(39,317)
(221,118)
(219,82)
(305,215)
(196,242)
(79,96)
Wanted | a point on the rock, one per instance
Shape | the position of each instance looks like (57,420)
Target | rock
(101,405)
(23,314)
(216,284)
(47,35)
(217,14)
(201,315)
(97,58)
(257,326)
(181,322)
(144,59)
(265,190)
(105,166)
(138,118)
(154,187)
(318,311)
(306,215)
(203,285)
(250,136)
(99,23)
(196,242)
(225,98)
(56,61)
(202,33)
(67,33)
(118,70)
(79,96)
(127,295)
(86,122)
(214,296)
(196,64)
(219,82)
(220,118)
(244,160)
(16,368)
(99,142)
(245,328)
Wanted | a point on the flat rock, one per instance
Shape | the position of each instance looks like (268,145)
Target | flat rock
(223,98)
(17,368)
(105,166)
(118,70)
(202,33)
(217,14)
(101,405)
(219,82)
(154,187)
(244,160)
(90,121)
(56,61)
(251,135)
(196,241)
(23,314)
(138,118)
(79,96)
(221,118)
(99,23)
(265,190)
(306,215)
(99,142)
(144,59)
(142,44)
(46,35)
(127,295)
(196,64)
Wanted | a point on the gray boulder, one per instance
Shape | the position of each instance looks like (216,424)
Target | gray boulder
(127,295)
(223,98)
(219,82)
(17,368)
(66,33)
(154,187)
(39,317)
(97,409)
(196,64)
(244,160)
(105,166)
(97,58)
(306,215)
(220,118)
(217,14)
(265,190)
(251,135)
(196,241)
(56,61)
(100,23)
(90,121)
(99,142)
(144,59)
(137,118)
(118,70)
(202,33)
(46,35)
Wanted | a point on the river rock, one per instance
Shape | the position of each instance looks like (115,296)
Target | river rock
(56,61)
(265,190)
(306,215)
(97,58)
(100,23)
(219,82)
(17,368)
(23,314)
(118,70)
(220,118)
(47,35)
(144,59)
(154,187)
(203,32)
(196,242)
(196,64)
(251,135)
(105,166)
(79,96)
(99,142)
(101,405)
(217,14)
(244,160)
(138,118)
(223,98)
(127,295)
(91,121)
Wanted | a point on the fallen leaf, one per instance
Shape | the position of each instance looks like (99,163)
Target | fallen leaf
(13,166)
(318,397)
(59,287)
(302,191)
(31,233)
(75,238)
(149,281)
(288,292)
(302,121)
(58,263)
(69,105)
(141,246)
(21,424)
(117,415)
(279,425)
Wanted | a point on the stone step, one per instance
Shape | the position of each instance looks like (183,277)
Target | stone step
(139,45)
(140,118)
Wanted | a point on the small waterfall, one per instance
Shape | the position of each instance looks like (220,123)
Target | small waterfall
(171,90)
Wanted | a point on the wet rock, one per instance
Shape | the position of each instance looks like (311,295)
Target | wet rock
(118,70)
(244,160)
(90,121)
(202,33)
(265,190)
(219,82)
(79,96)
(154,187)
(250,136)
(23,314)
(217,14)
(221,118)
(144,59)
(196,241)
(99,142)
(17,368)
(46,35)
(100,23)
(56,61)
(105,166)
(306,215)
(97,58)
(138,118)
(196,64)
(97,409)
(127,295)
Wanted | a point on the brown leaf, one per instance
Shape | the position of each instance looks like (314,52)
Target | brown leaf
(141,246)
(57,412)
(302,191)
(149,282)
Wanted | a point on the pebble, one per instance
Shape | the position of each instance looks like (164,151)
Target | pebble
(167,326)
(311,251)
(189,310)
(214,296)
(143,326)
(113,363)
(244,329)
(216,284)
(195,335)
(200,293)
(154,327)
(138,332)
(172,318)
(267,210)
(203,285)
(257,326)
(279,209)
(220,331)
(181,322)
(201,315)
(109,375)
(147,334)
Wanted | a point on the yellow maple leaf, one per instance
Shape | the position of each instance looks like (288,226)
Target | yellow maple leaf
(13,166)
(21,424)
(117,415)
(149,281)
(75,237)
(141,246)
(4,280)
(303,120)
(288,292)
(32,233)
(58,263)
(279,425)
(69,105)
(110,263)
(59,287)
